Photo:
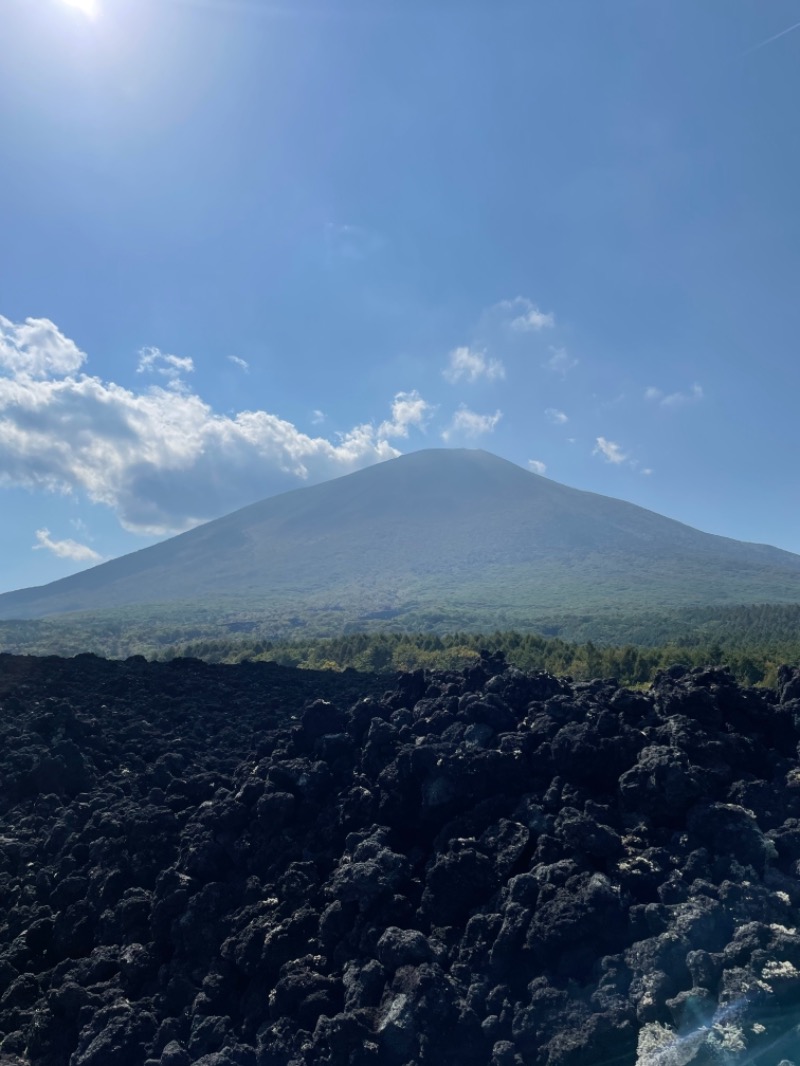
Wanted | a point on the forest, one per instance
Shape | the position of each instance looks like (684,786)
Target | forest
(752,641)
(390,652)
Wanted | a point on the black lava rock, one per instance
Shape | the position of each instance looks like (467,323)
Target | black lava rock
(253,866)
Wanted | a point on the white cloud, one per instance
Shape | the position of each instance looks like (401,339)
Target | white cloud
(152,360)
(537,466)
(37,348)
(471,365)
(560,361)
(527,318)
(66,549)
(610,451)
(674,399)
(468,423)
(241,363)
(558,418)
(647,471)
(408,409)
(161,458)
(317,417)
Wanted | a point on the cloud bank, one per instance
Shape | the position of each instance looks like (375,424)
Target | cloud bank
(37,349)
(161,457)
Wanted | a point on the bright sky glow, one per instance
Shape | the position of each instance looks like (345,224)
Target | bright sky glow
(249,245)
(89,8)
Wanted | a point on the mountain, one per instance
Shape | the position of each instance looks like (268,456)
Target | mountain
(432,536)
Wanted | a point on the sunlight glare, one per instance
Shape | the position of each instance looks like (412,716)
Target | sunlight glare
(89,8)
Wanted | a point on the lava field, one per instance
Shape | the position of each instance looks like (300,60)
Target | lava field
(256,866)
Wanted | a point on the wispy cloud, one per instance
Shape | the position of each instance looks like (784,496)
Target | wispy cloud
(241,363)
(467,423)
(80,526)
(317,417)
(526,317)
(66,549)
(154,361)
(674,399)
(647,471)
(677,399)
(162,458)
(560,361)
(408,409)
(769,40)
(611,452)
(537,466)
(558,418)
(470,364)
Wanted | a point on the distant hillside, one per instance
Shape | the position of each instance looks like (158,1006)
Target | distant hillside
(433,537)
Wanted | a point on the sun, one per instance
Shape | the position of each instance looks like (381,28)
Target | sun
(89,8)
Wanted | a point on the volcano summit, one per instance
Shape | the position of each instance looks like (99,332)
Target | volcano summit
(430,535)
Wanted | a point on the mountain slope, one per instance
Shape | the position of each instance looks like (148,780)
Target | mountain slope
(432,530)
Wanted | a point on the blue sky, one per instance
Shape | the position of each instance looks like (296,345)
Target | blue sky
(248,246)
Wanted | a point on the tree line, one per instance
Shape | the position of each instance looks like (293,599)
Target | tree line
(752,640)
(755,664)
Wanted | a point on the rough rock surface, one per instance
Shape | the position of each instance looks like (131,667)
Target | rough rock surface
(208,866)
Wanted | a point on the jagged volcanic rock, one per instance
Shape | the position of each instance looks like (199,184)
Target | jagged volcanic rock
(252,866)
